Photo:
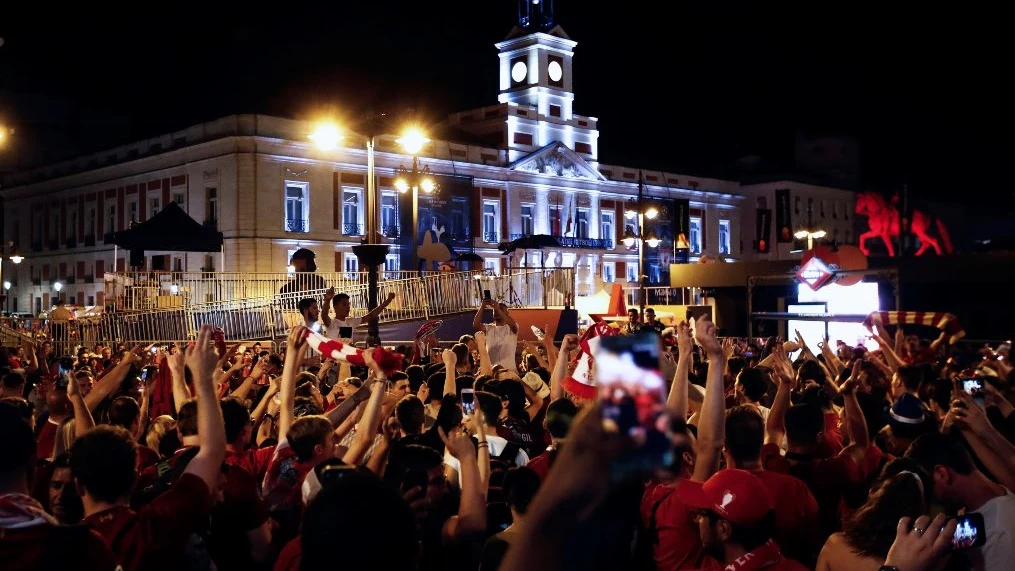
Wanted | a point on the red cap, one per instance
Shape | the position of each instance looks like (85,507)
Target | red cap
(735,495)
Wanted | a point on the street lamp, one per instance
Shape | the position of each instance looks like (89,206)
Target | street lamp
(369,253)
(7,297)
(649,238)
(416,179)
(810,235)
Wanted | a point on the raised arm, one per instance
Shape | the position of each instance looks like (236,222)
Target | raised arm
(201,360)
(712,426)
(560,370)
(477,321)
(287,389)
(326,309)
(782,370)
(677,401)
(508,320)
(83,421)
(177,372)
(110,382)
(380,307)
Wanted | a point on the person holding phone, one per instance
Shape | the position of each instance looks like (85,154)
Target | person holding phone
(501,335)
(342,326)
(959,484)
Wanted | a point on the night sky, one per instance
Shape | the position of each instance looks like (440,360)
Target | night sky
(685,88)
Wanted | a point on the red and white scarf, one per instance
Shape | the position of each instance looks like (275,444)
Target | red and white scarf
(764,556)
(944,321)
(581,383)
(388,361)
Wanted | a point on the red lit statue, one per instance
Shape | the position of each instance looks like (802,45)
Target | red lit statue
(884,222)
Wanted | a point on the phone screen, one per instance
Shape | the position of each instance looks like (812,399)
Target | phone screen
(632,392)
(969,532)
(486,294)
(345,332)
(975,389)
(468,401)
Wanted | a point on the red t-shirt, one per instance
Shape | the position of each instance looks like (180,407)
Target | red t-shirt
(25,548)
(290,556)
(46,440)
(284,474)
(239,511)
(254,460)
(796,514)
(827,478)
(540,465)
(679,545)
(783,564)
(153,537)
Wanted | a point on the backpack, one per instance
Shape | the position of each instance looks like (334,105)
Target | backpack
(501,463)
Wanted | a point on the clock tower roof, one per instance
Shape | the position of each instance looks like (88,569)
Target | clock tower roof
(536,16)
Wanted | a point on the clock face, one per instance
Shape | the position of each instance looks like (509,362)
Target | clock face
(554,71)
(519,71)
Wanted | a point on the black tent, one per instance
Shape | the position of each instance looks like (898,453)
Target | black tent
(171,230)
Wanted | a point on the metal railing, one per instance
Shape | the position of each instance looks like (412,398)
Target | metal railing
(352,229)
(576,242)
(264,306)
(296,225)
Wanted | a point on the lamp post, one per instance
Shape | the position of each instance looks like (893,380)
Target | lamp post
(642,238)
(15,257)
(7,297)
(414,180)
(809,232)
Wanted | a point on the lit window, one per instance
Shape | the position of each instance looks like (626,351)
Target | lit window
(527,219)
(609,272)
(581,229)
(391,263)
(724,237)
(556,211)
(154,205)
(352,214)
(389,215)
(606,226)
(491,221)
(351,265)
(632,272)
(297,204)
(695,237)
(491,266)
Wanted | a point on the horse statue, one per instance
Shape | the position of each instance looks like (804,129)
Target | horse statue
(884,222)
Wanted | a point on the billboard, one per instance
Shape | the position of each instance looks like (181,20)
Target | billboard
(445,217)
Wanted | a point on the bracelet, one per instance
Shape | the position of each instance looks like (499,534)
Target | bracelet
(483,444)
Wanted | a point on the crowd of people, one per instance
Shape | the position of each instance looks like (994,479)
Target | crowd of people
(216,456)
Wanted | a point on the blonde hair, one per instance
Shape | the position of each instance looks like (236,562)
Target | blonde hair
(159,427)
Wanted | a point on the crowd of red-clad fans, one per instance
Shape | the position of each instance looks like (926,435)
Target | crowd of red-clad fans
(476,457)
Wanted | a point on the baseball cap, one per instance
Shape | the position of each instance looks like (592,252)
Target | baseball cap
(735,495)
(907,409)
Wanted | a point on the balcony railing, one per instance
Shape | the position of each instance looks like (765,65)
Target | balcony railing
(36,245)
(90,240)
(72,242)
(296,225)
(572,242)
(390,231)
(491,237)
(352,229)
(70,279)
(54,244)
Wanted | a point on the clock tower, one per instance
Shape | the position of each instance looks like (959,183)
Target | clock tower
(535,62)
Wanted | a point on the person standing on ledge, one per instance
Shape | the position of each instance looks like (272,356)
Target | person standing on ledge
(305,283)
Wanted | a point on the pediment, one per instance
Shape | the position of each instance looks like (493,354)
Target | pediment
(556,159)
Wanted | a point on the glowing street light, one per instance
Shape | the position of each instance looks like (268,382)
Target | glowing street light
(326,136)
(57,286)
(810,236)
(412,140)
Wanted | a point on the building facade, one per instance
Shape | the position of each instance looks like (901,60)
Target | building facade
(532,164)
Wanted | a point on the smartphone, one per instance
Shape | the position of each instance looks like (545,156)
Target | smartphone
(468,401)
(632,392)
(486,295)
(345,332)
(154,350)
(540,335)
(969,532)
(974,387)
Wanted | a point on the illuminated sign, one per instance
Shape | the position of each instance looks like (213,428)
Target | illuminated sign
(814,273)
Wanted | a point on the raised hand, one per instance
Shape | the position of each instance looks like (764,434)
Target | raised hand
(684,342)
(921,545)
(449,358)
(296,339)
(458,444)
(705,334)
(201,358)
(423,392)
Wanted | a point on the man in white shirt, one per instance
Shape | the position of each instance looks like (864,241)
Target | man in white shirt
(491,406)
(343,327)
(957,484)
(501,335)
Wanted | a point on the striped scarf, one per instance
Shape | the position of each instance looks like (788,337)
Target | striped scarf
(581,383)
(388,361)
(944,321)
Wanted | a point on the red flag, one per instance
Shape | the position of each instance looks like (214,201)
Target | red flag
(581,383)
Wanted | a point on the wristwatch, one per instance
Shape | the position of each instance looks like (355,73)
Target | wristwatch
(888,568)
